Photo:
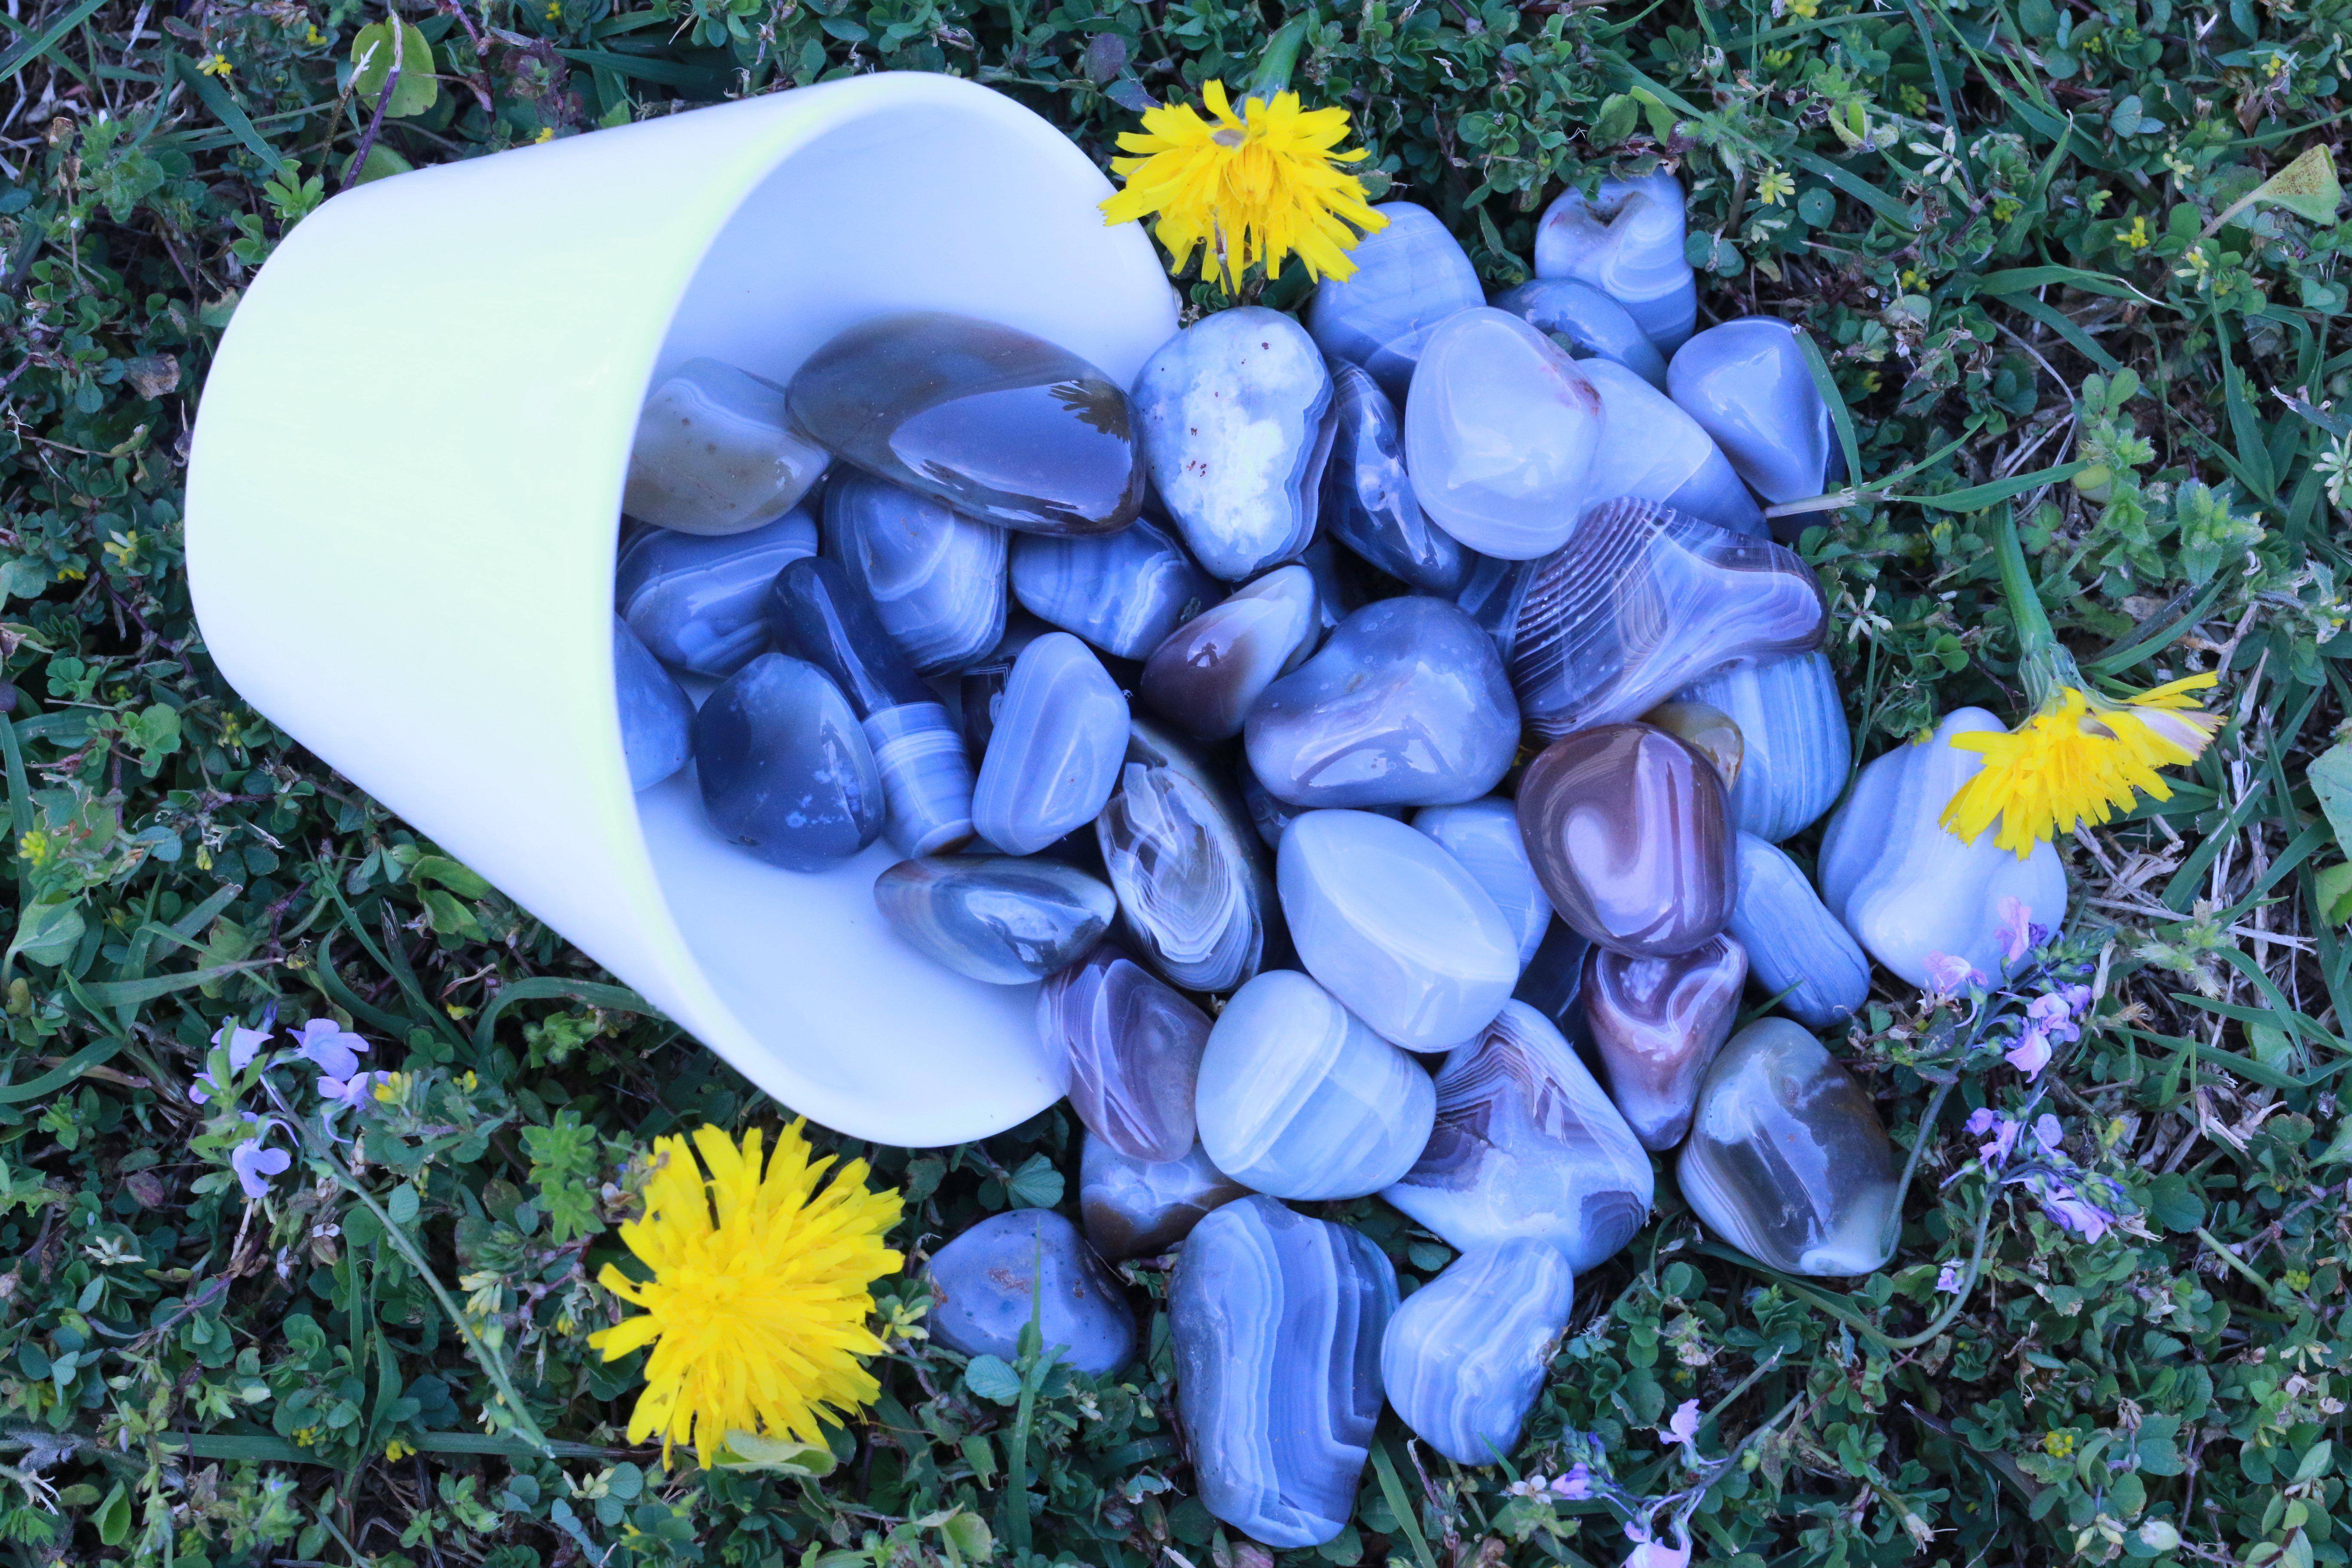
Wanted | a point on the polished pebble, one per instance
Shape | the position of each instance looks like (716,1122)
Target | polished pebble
(1395,928)
(980,688)
(1794,944)
(1209,672)
(1276,1321)
(1299,1099)
(1707,730)
(1626,829)
(1406,704)
(657,719)
(1656,452)
(1626,240)
(1553,982)
(1368,499)
(714,453)
(1465,1356)
(1786,1159)
(1795,753)
(1746,381)
(784,766)
(1235,415)
(1124,592)
(1055,749)
(1655,1024)
(695,599)
(1501,435)
(995,919)
(1140,1209)
(936,579)
(815,611)
(1484,834)
(1906,886)
(1641,601)
(992,1280)
(1409,276)
(1195,894)
(1271,816)
(1588,322)
(1526,1144)
(988,419)
(1131,1046)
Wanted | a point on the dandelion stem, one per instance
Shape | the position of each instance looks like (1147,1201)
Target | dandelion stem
(2038,653)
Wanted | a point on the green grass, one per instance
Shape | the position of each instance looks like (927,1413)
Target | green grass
(1991,220)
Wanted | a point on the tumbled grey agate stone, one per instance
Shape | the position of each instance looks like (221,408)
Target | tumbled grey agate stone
(992,421)
(785,765)
(1591,323)
(1786,1159)
(1484,834)
(1525,1144)
(1656,1023)
(1500,433)
(1657,452)
(936,578)
(1395,928)
(1406,704)
(714,453)
(1795,752)
(1131,1047)
(694,599)
(1409,276)
(1299,1099)
(995,919)
(1277,1321)
(1209,673)
(1367,500)
(1123,592)
(1794,944)
(1195,894)
(988,1283)
(1465,1355)
(1140,1208)
(657,719)
(1746,381)
(1626,239)
(1235,415)
(1273,818)
(1055,749)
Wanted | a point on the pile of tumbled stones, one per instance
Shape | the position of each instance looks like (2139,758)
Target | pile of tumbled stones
(1416,685)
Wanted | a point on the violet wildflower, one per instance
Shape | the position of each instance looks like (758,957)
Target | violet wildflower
(1996,1149)
(1576,1485)
(1682,1430)
(1651,1553)
(2069,1205)
(2052,1014)
(2031,1052)
(1949,1279)
(2048,1132)
(1949,974)
(243,1044)
(327,1046)
(255,1164)
(2015,931)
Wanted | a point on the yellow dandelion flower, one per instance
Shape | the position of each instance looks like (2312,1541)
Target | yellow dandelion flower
(1247,188)
(757,1308)
(2082,757)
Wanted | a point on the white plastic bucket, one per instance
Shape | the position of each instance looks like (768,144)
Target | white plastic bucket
(403,501)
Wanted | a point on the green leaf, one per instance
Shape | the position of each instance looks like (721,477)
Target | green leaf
(2315,1463)
(776,1456)
(2176,1202)
(1036,1185)
(402,1205)
(990,1378)
(2306,188)
(46,933)
(462,880)
(2330,776)
(967,1534)
(113,1517)
(376,52)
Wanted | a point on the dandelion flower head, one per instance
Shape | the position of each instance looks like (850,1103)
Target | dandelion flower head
(756,1311)
(1247,186)
(2081,758)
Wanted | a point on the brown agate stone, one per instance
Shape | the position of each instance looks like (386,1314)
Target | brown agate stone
(1656,1024)
(1627,830)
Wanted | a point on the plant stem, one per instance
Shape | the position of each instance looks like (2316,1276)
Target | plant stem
(1281,58)
(2041,664)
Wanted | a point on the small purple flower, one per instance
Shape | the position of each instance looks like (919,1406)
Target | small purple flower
(243,1043)
(2053,1017)
(1650,1554)
(2048,1132)
(1682,1429)
(2031,1052)
(255,1165)
(1949,974)
(2077,999)
(2015,932)
(2072,1207)
(1949,1279)
(327,1046)
(2005,1131)
(1575,1486)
